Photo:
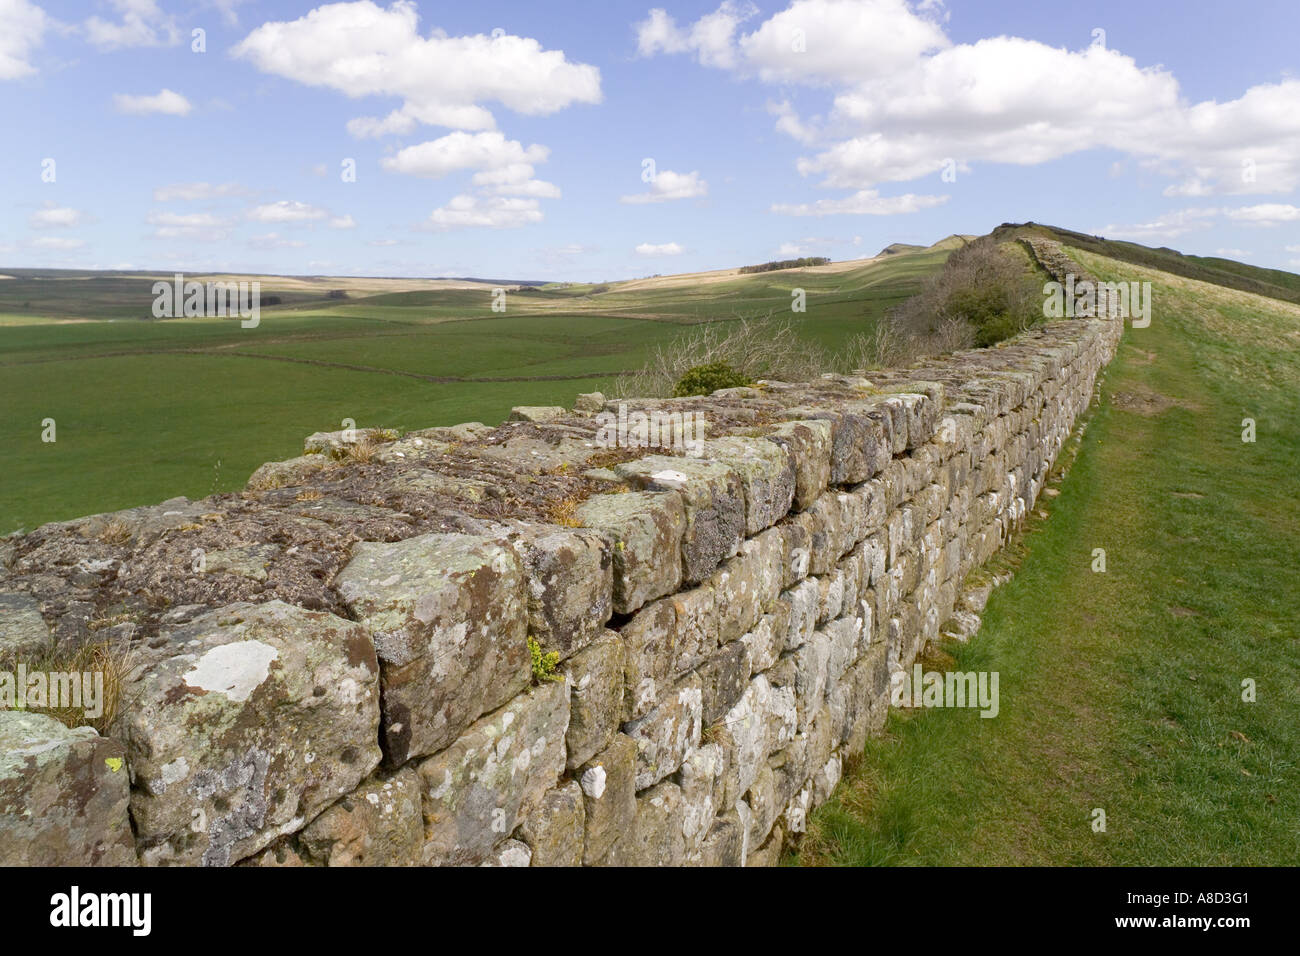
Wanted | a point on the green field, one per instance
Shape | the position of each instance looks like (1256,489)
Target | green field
(1123,691)
(148,409)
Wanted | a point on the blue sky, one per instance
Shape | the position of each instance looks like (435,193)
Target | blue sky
(509,140)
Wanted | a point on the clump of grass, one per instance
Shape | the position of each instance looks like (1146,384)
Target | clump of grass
(564,512)
(544,663)
(114,531)
(111,620)
(311,494)
(111,660)
(362,450)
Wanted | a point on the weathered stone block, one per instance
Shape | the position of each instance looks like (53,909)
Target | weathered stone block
(569,573)
(554,828)
(723,678)
(377,824)
(767,477)
(664,735)
(63,795)
(657,837)
(598,703)
(809,446)
(448,617)
(650,638)
(714,501)
(608,784)
(476,791)
(647,530)
(243,724)
(23,632)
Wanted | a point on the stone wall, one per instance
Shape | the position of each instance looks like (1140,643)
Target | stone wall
(333,667)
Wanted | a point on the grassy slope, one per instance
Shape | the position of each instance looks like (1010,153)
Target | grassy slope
(1122,690)
(149,410)
(1273,283)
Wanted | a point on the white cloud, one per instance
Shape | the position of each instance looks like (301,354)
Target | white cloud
(57,242)
(1170,225)
(494,212)
(668,185)
(273,240)
(662,249)
(193,191)
(907,99)
(1233,253)
(839,41)
(52,216)
(362,49)
(228,8)
(865,202)
(140,23)
(343,222)
(1293,248)
(165,101)
(711,38)
(22,28)
(286,210)
(1266,214)
(202,226)
(489,151)
(383,242)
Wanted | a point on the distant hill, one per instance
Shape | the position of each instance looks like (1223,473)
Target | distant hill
(1273,283)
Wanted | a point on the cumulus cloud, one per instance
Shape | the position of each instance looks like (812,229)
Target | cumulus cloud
(662,249)
(286,210)
(22,28)
(668,185)
(53,216)
(906,100)
(139,23)
(711,39)
(506,158)
(343,222)
(1266,214)
(202,226)
(503,167)
(865,202)
(493,212)
(1168,226)
(165,101)
(363,49)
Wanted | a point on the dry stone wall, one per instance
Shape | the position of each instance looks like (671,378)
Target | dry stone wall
(333,667)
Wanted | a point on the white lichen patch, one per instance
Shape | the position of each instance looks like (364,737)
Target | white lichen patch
(235,670)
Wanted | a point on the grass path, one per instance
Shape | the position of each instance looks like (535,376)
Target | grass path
(1123,690)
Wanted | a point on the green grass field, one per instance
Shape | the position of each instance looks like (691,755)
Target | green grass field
(1123,690)
(146,410)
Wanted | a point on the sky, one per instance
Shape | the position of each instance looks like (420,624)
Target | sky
(596,141)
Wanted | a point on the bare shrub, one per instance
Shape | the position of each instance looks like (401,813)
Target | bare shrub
(757,346)
(982,286)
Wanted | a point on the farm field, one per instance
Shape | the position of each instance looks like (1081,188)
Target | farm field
(149,409)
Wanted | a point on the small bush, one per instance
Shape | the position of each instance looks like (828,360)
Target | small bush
(706,379)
